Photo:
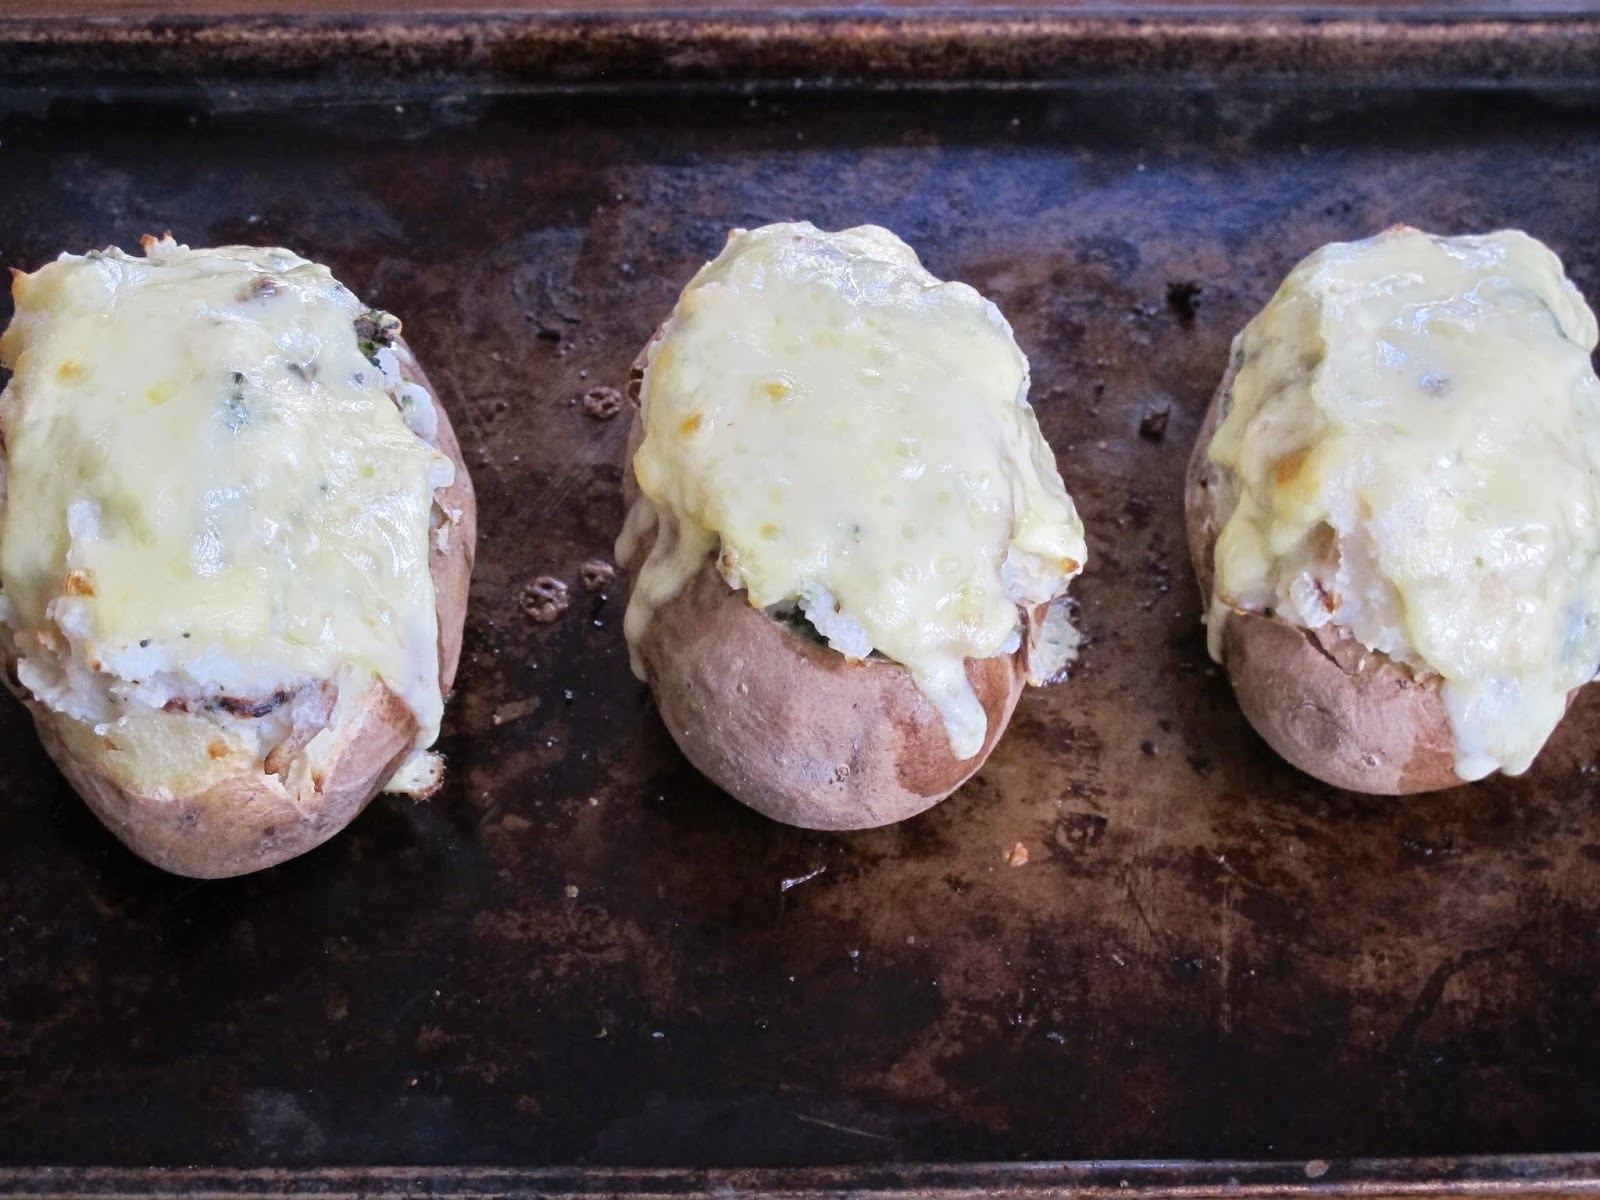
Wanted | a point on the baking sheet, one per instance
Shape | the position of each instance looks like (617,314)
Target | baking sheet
(579,952)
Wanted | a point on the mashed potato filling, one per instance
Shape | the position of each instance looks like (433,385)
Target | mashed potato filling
(213,502)
(1413,440)
(851,435)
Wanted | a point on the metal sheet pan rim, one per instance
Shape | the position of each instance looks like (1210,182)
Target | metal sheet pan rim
(1257,10)
(1504,1175)
(928,46)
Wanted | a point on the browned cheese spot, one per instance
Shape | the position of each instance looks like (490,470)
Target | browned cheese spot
(1289,466)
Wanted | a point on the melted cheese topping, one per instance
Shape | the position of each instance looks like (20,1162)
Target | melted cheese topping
(209,489)
(1414,436)
(854,435)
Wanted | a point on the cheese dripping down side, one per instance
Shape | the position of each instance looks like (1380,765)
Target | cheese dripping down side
(217,498)
(1412,447)
(846,433)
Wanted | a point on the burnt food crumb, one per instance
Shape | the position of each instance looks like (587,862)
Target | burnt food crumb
(602,403)
(596,574)
(545,599)
(1153,425)
(1183,298)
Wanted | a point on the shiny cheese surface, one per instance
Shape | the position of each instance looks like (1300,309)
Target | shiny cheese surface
(848,433)
(206,481)
(1414,436)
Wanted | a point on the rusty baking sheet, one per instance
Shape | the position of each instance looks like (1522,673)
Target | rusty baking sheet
(581,956)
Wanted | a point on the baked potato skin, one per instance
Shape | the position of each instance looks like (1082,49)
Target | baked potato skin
(794,729)
(251,821)
(1349,716)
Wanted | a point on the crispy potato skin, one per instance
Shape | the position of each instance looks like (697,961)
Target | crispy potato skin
(251,820)
(1350,716)
(796,730)
(1347,715)
(791,727)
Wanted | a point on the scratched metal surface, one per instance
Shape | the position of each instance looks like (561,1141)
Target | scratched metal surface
(579,952)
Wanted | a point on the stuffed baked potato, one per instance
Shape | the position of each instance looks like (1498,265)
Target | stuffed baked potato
(1394,510)
(849,543)
(235,542)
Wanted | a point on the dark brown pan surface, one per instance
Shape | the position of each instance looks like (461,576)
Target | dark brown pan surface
(581,953)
